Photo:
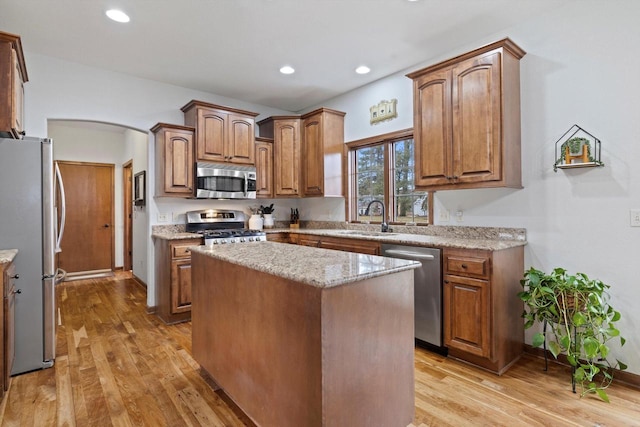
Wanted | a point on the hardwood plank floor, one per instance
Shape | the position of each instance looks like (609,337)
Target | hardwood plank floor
(117,365)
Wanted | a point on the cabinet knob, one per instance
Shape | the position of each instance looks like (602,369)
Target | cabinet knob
(15,276)
(17,291)
(464,266)
(446,281)
(455,177)
(23,133)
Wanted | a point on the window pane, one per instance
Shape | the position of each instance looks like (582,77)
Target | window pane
(370,181)
(410,205)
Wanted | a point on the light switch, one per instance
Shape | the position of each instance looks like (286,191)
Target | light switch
(163,217)
(635,217)
(444,215)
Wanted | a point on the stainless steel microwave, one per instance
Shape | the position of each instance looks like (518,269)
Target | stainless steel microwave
(224,181)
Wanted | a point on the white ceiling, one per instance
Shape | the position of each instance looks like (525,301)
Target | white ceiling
(235,48)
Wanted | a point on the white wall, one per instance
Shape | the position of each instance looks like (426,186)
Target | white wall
(580,68)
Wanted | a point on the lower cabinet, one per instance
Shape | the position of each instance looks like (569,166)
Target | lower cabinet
(7,325)
(340,244)
(482,312)
(173,279)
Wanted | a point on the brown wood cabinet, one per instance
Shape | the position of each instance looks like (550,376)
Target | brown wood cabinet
(7,318)
(482,311)
(223,134)
(173,279)
(279,237)
(467,120)
(13,75)
(174,160)
(264,168)
(322,153)
(285,131)
(337,243)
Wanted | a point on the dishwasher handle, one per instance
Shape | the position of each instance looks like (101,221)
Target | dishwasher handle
(411,254)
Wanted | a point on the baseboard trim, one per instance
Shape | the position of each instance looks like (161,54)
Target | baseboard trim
(139,281)
(152,309)
(632,380)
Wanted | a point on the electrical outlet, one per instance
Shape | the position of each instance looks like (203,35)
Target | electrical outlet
(163,217)
(635,217)
(459,216)
(444,215)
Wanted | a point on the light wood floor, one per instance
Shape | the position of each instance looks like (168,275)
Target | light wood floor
(117,365)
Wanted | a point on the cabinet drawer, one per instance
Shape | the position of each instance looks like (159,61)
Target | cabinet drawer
(471,265)
(182,250)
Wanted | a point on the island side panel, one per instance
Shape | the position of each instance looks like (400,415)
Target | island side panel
(258,336)
(368,352)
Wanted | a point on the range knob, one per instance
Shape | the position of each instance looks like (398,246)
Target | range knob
(242,239)
(223,241)
(249,239)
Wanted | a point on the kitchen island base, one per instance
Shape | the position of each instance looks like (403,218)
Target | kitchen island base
(293,354)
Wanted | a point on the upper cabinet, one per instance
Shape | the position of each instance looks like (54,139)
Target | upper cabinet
(285,132)
(467,120)
(13,75)
(322,153)
(223,134)
(174,160)
(264,168)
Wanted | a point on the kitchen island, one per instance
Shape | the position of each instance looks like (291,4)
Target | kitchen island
(300,336)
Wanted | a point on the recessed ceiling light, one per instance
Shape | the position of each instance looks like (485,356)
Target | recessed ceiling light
(117,15)
(287,70)
(363,69)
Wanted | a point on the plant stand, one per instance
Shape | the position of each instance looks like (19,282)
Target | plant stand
(546,362)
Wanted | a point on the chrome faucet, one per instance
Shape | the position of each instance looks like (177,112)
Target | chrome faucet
(385,226)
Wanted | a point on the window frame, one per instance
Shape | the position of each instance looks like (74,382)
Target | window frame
(387,141)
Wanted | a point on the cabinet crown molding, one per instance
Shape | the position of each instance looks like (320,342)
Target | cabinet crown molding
(161,125)
(194,103)
(506,44)
(17,45)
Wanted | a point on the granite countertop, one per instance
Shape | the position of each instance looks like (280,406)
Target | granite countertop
(482,238)
(411,239)
(322,268)
(7,255)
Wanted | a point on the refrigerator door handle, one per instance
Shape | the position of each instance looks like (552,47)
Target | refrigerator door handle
(63,209)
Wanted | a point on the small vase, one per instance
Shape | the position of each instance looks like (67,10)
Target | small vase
(255,222)
(268,220)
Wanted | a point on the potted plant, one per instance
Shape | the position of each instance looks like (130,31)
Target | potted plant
(576,311)
(267,214)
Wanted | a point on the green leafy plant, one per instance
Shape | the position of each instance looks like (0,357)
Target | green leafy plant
(574,145)
(581,322)
(267,209)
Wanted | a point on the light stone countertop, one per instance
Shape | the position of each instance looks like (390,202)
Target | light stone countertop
(322,268)
(176,236)
(7,255)
(411,239)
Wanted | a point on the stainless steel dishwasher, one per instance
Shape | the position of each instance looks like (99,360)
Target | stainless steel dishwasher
(427,291)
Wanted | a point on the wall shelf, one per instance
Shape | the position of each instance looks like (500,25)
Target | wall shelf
(575,150)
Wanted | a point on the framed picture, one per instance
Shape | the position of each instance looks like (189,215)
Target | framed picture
(139,188)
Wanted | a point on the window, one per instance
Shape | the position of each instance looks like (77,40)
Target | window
(382,168)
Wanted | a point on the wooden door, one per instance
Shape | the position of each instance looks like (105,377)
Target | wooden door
(477,119)
(240,140)
(312,156)
(264,168)
(210,135)
(181,286)
(127,183)
(286,160)
(467,315)
(433,129)
(88,241)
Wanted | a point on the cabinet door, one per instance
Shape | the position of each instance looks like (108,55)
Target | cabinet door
(477,120)
(18,96)
(312,156)
(309,240)
(181,286)
(287,157)
(178,158)
(467,315)
(264,169)
(240,142)
(210,143)
(432,133)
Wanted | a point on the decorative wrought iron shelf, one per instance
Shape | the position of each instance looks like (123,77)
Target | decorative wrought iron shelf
(575,150)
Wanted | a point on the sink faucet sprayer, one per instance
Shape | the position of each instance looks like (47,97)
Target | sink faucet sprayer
(385,226)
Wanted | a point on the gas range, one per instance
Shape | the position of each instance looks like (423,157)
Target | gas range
(219,227)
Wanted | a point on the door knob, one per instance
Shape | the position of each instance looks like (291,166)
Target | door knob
(15,276)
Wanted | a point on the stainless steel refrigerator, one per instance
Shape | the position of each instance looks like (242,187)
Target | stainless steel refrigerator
(29,223)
